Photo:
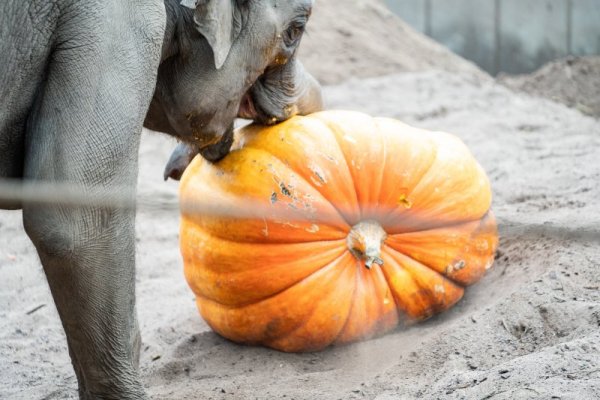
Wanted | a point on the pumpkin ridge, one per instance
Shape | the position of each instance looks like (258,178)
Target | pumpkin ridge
(335,254)
(279,242)
(312,185)
(381,322)
(256,206)
(439,137)
(401,308)
(411,190)
(436,308)
(448,224)
(392,251)
(307,320)
(334,129)
(224,332)
(329,264)
(390,139)
(274,244)
(450,291)
(333,264)
(356,278)
(366,209)
(462,262)
(387,281)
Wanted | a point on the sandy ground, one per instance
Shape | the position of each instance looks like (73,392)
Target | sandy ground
(529,329)
(364,39)
(574,81)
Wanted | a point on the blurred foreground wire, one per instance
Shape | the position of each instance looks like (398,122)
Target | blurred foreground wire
(71,195)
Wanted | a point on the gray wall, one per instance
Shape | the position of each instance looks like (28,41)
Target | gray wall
(513,36)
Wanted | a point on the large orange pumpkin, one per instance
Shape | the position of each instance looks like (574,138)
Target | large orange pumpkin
(332,228)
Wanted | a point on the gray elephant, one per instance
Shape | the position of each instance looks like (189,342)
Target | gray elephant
(78,81)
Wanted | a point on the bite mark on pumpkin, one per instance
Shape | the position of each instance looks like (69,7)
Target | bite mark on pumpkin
(284,190)
(313,229)
(319,174)
(404,201)
(455,266)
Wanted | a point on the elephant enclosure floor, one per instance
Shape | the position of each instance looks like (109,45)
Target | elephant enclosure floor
(529,329)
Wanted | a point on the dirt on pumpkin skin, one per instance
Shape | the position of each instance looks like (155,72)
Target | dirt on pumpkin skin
(529,329)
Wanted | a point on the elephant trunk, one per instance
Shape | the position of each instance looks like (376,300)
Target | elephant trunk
(284,91)
(280,93)
(311,98)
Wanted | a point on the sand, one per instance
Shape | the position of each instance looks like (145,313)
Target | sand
(529,329)
(362,38)
(574,81)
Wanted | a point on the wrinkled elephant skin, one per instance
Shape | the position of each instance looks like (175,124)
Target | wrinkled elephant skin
(77,83)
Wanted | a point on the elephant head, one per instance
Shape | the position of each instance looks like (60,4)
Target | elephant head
(224,59)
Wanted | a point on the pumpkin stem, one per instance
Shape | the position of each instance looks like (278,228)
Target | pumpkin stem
(364,242)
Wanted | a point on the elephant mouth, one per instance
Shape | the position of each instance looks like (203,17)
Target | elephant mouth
(247,109)
(217,151)
(252,110)
(266,105)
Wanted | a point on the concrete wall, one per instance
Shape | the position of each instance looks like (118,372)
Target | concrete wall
(513,36)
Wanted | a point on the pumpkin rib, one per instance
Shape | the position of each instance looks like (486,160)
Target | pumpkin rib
(270,244)
(444,140)
(336,132)
(350,309)
(311,184)
(401,209)
(211,274)
(221,309)
(385,276)
(426,223)
(296,283)
(423,283)
(442,225)
(382,162)
(402,307)
(333,336)
(305,202)
(474,240)
(425,302)
(300,124)
(389,129)
(375,316)
(392,251)
(278,242)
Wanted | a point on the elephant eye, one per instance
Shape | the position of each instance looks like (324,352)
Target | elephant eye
(293,33)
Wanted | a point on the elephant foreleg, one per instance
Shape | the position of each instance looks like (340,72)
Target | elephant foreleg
(84,129)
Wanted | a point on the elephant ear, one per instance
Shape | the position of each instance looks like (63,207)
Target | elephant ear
(215,21)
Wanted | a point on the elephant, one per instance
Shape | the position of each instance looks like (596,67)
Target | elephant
(78,82)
